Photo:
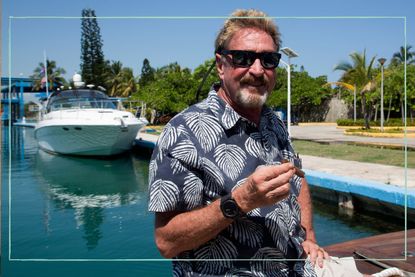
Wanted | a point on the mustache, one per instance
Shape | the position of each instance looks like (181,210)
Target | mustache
(257,81)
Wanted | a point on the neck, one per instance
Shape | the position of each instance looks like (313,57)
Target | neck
(252,114)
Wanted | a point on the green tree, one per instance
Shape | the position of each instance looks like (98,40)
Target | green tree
(394,87)
(399,57)
(360,74)
(120,80)
(147,73)
(171,91)
(54,76)
(199,75)
(93,65)
(307,94)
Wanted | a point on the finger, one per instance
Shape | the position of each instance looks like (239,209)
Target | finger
(320,256)
(326,255)
(273,171)
(280,180)
(279,193)
(313,256)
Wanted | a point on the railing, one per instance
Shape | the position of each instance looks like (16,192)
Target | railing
(70,104)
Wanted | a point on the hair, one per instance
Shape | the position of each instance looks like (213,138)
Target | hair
(241,19)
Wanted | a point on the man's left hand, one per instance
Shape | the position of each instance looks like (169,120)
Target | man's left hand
(315,252)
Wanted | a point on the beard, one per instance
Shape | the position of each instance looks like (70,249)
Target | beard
(248,98)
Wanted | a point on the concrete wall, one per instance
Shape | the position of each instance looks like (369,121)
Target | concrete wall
(338,109)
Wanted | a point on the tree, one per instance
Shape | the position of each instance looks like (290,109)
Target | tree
(93,64)
(171,91)
(359,74)
(147,73)
(399,57)
(54,76)
(120,81)
(199,75)
(307,94)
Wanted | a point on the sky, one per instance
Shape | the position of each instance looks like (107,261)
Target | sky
(323,33)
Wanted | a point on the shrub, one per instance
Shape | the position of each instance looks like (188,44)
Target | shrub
(361,122)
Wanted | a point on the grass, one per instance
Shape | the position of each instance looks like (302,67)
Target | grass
(358,153)
(377,131)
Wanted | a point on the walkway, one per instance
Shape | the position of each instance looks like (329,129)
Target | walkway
(380,173)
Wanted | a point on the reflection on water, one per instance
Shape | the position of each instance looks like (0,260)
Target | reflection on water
(88,186)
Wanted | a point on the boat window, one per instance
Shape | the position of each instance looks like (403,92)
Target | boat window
(79,99)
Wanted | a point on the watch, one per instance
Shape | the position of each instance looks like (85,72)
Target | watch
(229,207)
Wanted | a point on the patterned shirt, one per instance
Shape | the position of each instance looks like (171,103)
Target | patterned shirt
(207,151)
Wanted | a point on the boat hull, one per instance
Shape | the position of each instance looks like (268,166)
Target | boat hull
(87,140)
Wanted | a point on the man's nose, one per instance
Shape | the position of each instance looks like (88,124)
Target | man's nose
(256,68)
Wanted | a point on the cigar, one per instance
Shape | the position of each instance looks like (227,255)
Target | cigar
(298,171)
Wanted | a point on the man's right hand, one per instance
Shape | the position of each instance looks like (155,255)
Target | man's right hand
(266,186)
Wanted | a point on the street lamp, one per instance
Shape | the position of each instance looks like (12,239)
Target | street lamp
(290,54)
(382,62)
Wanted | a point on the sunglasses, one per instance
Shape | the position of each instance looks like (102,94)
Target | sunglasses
(242,58)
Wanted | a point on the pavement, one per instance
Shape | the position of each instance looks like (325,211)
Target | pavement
(390,175)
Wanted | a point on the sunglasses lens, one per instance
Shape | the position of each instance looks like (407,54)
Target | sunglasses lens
(270,60)
(242,58)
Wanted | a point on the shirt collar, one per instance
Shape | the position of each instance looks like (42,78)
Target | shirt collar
(228,117)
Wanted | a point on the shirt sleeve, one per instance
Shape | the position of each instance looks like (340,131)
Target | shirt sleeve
(174,178)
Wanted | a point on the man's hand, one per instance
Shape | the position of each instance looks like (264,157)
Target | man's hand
(266,186)
(315,252)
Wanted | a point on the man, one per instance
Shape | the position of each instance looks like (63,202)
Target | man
(226,202)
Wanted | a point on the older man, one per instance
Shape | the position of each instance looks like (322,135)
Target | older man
(226,200)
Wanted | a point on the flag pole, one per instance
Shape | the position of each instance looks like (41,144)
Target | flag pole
(46,73)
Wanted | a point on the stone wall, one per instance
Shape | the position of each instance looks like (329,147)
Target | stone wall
(337,109)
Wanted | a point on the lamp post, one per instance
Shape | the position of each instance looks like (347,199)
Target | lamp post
(290,54)
(382,62)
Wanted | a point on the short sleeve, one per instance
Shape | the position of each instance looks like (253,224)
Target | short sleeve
(174,181)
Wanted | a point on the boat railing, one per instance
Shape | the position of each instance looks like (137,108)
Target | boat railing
(72,104)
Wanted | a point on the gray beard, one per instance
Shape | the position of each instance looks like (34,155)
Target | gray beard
(248,100)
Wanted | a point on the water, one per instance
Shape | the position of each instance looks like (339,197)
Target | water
(74,216)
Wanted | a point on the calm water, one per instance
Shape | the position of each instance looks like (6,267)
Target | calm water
(67,211)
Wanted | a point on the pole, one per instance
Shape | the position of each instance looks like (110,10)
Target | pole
(354,104)
(289,99)
(288,68)
(46,73)
(381,103)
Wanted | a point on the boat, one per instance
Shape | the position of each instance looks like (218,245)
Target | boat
(376,253)
(86,122)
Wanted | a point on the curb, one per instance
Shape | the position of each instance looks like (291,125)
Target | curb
(370,189)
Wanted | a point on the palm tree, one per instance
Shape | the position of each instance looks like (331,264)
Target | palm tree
(399,57)
(120,81)
(54,76)
(398,60)
(359,74)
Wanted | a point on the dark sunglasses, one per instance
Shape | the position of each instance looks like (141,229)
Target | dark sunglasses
(242,58)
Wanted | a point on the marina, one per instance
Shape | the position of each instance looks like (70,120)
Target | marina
(72,214)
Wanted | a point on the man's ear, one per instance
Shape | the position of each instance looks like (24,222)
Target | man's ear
(219,65)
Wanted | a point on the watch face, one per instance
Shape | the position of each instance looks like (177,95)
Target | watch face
(230,208)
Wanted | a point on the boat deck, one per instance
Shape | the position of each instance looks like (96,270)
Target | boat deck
(376,253)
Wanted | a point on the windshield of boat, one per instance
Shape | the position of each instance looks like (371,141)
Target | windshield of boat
(79,99)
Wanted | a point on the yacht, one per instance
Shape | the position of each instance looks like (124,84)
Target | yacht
(85,121)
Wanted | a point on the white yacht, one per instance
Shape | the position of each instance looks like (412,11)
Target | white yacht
(85,122)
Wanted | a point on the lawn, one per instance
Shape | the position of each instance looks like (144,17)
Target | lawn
(355,153)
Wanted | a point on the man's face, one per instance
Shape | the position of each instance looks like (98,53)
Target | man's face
(247,87)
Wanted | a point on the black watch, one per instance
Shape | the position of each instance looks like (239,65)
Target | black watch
(229,207)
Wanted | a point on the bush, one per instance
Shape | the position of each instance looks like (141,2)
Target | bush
(361,122)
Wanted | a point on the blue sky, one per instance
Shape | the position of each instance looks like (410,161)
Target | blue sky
(321,43)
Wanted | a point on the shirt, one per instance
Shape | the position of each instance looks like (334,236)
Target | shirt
(207,151)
